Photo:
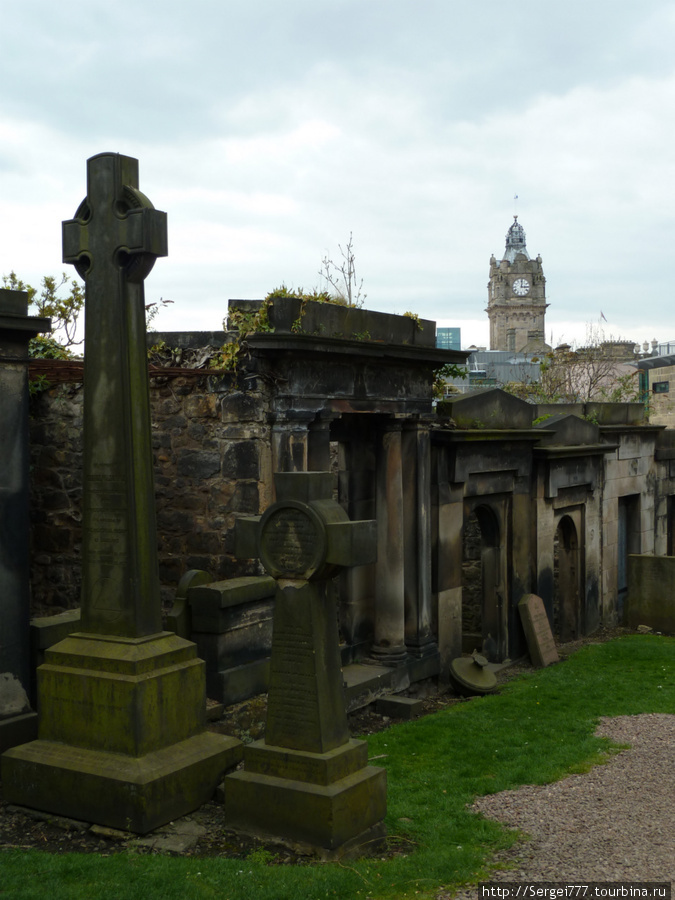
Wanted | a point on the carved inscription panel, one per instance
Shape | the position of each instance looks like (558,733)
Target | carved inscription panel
(106,521)
(292,542)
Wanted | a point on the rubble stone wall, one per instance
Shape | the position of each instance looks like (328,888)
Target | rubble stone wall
(211,443)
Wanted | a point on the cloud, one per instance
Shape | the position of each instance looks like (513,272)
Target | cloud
(270,133)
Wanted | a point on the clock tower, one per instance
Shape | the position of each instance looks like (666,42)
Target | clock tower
(517,297)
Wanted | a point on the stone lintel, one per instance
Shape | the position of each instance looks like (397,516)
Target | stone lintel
(299,765)
(135,794)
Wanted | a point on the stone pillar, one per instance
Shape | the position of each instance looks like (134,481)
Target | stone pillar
(18,723)
(449,512)
(356,488)
(416,463)
(389,639)
(318,443)
(290,441)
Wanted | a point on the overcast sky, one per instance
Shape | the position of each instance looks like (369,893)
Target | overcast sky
(268,131)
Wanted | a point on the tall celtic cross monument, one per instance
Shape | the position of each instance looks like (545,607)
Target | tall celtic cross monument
(121,738)
(307,782)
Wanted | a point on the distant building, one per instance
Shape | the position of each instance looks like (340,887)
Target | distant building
(517,297)
(496,368)
(657,377)
(449,338)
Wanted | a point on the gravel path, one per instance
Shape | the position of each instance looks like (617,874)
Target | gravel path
(615,823)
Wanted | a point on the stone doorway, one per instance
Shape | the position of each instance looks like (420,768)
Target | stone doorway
(566,581)
(482,591)
(628,542)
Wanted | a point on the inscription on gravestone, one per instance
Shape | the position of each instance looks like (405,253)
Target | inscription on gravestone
(538,632)
(113,242)
(292,542)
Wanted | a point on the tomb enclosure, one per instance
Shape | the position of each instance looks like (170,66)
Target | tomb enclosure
(536,507)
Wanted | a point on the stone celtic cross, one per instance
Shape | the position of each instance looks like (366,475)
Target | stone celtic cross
(113,242)
(307,781)
(303,540)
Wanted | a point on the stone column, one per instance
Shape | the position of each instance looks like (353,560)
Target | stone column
(356,487)
(389,639)
(416,464)
(290,441)
(449,511)
(318,443)
(17,723)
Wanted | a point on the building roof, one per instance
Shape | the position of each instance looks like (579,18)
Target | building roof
(515,241)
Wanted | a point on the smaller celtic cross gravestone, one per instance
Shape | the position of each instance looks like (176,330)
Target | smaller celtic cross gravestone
(307,781)
(121,703)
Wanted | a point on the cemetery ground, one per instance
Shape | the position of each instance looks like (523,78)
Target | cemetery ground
(539,728)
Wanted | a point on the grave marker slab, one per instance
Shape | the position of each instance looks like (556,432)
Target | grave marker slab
(307,781)
(538,632)
(122,703)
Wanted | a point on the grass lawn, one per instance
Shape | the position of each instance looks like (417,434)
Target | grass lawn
(537,729)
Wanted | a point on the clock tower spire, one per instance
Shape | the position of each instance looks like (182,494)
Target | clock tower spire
(517,297)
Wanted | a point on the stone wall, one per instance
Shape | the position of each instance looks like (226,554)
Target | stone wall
(211,442)
(56,498)
(631,482)
(662,400)
(651,593)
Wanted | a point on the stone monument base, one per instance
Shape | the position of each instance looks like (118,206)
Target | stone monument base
(118,791)
(121,734)
(332,804)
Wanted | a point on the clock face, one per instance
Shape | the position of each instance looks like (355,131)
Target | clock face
(521,286)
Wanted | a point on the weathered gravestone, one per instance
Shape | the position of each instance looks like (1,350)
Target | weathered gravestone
(18,723)
(121,703)
(538,632)
(307,782)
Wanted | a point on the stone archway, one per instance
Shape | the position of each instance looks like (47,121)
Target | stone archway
(482,592)
(566,581)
